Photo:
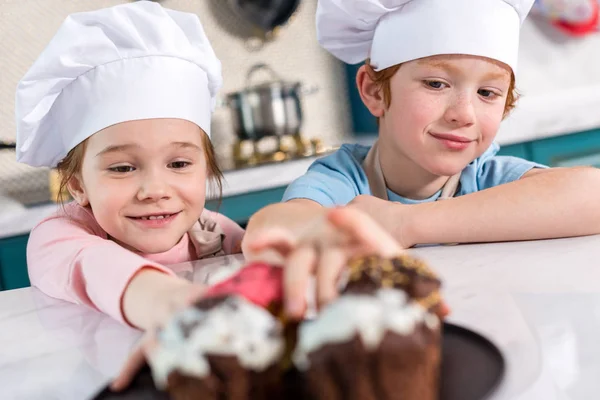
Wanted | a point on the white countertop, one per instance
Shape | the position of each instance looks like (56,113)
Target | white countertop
(539,301)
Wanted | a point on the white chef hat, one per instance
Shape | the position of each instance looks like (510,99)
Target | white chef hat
(391,32)
(128,62)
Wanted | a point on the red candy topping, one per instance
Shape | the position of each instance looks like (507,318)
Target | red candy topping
(258,282)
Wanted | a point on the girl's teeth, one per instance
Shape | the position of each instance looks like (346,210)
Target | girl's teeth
(155,217)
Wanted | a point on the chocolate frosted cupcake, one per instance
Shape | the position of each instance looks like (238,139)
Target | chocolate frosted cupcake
(407,273)
(223,347)
(380,339)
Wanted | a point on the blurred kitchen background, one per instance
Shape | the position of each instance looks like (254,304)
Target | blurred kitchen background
(291,52)
(271,46)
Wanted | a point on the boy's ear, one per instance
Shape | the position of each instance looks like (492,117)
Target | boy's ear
(370,93)
(77,190)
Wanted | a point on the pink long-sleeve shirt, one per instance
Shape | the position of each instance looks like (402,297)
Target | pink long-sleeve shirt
(70,257)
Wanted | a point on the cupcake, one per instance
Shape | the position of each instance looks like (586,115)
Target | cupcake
(232,344)
(224,347)
(381,339)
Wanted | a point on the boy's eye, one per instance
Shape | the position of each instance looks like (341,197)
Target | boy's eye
(435,84)
(488,94)
(179,164)
(122,169)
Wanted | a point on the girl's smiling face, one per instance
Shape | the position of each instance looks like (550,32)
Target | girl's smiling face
(145,181)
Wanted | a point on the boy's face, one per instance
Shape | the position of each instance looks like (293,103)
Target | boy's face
(445,110)
(137,169)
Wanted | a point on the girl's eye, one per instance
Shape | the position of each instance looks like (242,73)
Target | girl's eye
(179,164)
(435,84)
(122,169)
(488,94)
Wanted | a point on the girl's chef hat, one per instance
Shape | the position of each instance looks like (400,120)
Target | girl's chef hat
(391,32)
(128,62)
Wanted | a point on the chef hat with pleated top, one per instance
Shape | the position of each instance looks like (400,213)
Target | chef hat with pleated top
(129,62)
(391,32)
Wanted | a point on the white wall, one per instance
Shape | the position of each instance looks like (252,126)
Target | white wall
(559,79)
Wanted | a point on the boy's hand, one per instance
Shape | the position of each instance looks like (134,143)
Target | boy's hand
(390,215)
(324,250)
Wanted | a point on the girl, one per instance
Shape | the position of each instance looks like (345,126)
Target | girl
(120,102)
(440,76)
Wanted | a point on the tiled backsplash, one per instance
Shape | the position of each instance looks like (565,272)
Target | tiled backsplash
(26,26)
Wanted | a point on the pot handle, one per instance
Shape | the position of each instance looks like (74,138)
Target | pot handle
(257,67)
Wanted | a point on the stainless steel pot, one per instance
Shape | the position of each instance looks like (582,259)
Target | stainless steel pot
(269,109)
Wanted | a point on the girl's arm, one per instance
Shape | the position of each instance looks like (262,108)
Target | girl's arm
(69,259)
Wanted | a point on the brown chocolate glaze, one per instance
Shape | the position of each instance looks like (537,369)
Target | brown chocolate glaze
(403,367)
(227,380)
(208,303)
(368,274)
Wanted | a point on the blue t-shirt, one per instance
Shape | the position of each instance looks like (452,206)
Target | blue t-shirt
(339,177)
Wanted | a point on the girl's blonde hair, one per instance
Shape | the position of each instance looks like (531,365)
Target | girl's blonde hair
(382,80)
(71,165)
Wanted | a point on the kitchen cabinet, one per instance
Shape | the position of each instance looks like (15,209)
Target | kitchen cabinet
(239,208)
(13,263)
(570,150)
(521,150)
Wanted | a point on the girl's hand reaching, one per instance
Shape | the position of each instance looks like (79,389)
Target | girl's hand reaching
(150,300)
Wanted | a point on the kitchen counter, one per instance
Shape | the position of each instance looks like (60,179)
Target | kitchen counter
(539,301)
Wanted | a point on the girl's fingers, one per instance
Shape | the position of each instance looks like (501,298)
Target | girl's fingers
(195,294)
(134,363)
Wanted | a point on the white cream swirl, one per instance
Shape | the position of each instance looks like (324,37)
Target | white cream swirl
(234,327)
(369,316)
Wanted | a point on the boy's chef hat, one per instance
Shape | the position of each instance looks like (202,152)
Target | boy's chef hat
(128,62)
(391,32)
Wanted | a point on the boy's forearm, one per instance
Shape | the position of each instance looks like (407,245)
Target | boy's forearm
(553,204)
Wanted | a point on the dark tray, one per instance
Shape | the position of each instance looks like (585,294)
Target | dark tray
(472,369)
(472,366)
